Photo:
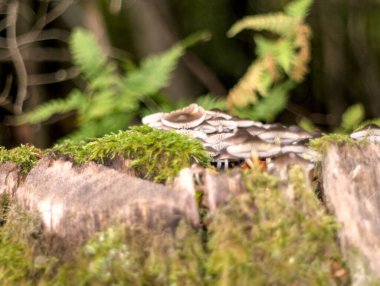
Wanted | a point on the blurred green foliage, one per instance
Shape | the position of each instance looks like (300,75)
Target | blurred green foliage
(110,100)
(282,60)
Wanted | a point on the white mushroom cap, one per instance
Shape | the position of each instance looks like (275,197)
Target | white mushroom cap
(152,118)
(213,113)
(246,150)
(370,132)
(284,135)
(185,118)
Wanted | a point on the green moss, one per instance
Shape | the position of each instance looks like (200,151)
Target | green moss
(121,256)
(155,154)
(20,264)
(261,238)
(323,143)
(5,202)
(26,156)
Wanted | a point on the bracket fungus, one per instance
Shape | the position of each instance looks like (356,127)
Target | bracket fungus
(230,139)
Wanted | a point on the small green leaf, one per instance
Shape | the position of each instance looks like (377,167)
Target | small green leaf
(353,116)
(277,23)
(298,9)
(87,53)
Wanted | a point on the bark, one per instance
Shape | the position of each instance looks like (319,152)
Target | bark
(351,183)
(77,200)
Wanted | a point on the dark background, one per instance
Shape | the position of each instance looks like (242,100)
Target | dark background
(345,66)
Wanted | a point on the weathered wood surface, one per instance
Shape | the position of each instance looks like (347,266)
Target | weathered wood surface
(77,200)
(9,178)
(351,185)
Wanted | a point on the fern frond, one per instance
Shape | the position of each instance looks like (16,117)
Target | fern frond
(87,53)
(285,54)
(74,101)
(282,50)
(245,91)
(302,58)
(268,107)
(209,102)
(298,9)
(278,23)
(153,74)
(101,126)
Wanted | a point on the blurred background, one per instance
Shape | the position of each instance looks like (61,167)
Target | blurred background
(36,64)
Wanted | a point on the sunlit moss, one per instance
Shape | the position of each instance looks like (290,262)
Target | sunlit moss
(26,156)
(155,154)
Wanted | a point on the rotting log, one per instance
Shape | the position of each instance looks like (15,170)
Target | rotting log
(77,200)
(351,186)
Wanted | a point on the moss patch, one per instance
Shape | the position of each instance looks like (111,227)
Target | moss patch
(155,154)
(323,143)
(260,238)
(20,263)
(26,156)
(121,256)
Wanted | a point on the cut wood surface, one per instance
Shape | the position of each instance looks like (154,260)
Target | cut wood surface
(351,184)
(77,200)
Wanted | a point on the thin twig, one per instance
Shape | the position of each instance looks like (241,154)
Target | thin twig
(38,54)
(49,78)
(4,101)
(18,62)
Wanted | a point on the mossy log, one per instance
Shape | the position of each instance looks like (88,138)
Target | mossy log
(77,200)
(351,185)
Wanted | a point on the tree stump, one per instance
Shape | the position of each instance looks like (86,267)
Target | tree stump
(351,185)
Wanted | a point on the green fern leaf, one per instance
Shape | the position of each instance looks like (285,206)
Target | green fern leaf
(268,107)
(282,50)
(278,23)
(209,102)
(298,9)
(153,75)
(87,53)
(264,46)
(74,101)
(352,118)
(285,54)
(96,128)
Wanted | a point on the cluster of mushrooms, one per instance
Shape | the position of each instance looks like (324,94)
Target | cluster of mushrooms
(232,141)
